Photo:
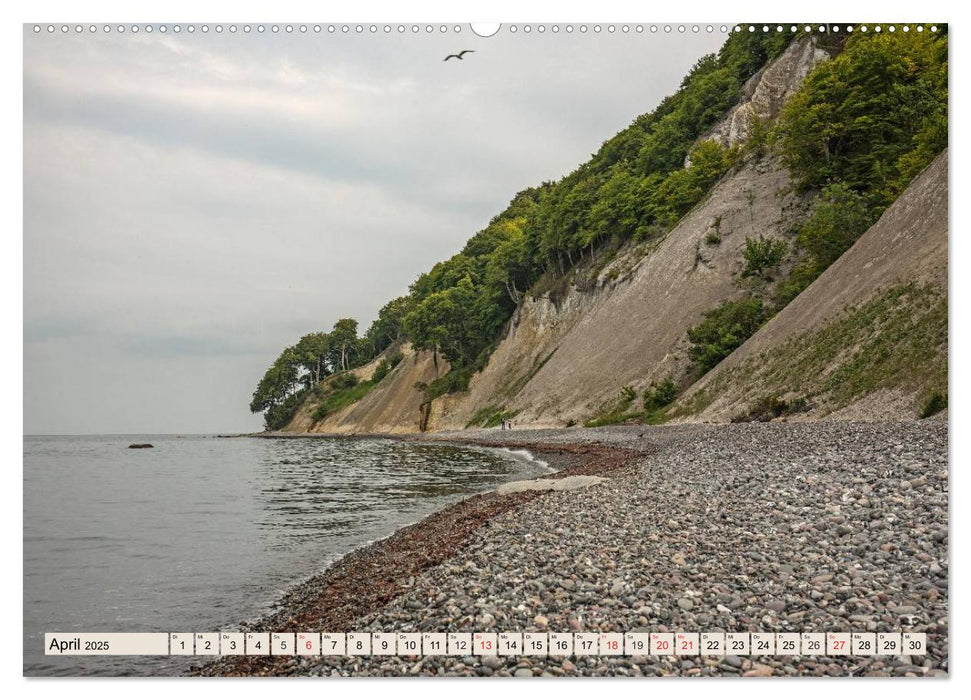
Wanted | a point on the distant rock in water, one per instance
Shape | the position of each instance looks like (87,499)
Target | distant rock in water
(139,446)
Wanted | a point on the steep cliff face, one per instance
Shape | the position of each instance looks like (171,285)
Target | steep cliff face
(563,362)
(393,406)
(766,92)
(868,339)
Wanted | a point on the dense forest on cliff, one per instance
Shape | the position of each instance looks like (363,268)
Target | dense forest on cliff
(858,130)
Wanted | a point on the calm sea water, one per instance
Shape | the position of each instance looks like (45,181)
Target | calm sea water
(201,533)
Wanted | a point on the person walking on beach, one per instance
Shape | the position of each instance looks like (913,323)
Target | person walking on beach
(503,422)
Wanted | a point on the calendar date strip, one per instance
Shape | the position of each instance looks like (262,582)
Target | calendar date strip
(560,644)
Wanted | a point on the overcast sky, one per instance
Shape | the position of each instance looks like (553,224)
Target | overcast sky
(194,203)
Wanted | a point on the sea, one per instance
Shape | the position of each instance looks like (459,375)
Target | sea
(201,533)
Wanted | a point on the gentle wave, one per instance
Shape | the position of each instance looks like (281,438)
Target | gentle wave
(528,456)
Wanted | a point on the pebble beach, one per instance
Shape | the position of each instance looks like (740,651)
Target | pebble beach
(772,527)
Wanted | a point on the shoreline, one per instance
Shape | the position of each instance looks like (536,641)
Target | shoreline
(771,527)
(375,574)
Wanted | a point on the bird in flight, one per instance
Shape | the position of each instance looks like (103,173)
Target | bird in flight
(460,54)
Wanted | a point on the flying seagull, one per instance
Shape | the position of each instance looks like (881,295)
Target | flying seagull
(460,54)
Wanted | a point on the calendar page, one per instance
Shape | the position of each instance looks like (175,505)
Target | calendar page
(522,349)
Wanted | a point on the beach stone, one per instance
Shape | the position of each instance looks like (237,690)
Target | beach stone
(759,670)
(733,661)
(493,662)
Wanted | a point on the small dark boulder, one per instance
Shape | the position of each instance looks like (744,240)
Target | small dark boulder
(139,446)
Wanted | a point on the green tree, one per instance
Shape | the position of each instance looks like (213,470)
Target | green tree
(387,328)
(444,322)
(682,189)
(508,268)
(872,117)
(311,353)
(274,393)
(343,344)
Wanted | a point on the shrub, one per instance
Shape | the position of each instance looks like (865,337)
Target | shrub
(769,407)
(723,329)
(759,138)
(714,235)
(935,403)
(344,381)
(840,216)
(343,397)
(454,380)
(381,371)
(613,417)
(660,394)
(761,255)
(616,411)
(802,275)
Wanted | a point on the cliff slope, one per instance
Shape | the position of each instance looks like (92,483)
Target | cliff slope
(393,406)
(868,339)
(565,360)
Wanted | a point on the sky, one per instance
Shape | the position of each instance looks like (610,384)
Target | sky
(193,203)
